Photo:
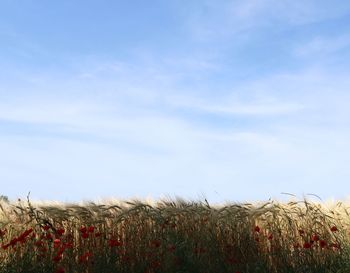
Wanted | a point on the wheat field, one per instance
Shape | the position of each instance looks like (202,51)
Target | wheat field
(150,236)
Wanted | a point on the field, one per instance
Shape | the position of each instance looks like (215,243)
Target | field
(174,236)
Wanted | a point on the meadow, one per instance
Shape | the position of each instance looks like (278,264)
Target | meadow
(173,236)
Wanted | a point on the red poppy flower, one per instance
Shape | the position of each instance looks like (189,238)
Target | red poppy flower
(315,238)
(91,229)
(56,243)
(307,245)
(257,229)
(334,228)
(113,242)
(13,241)
(323,243)
(61,250)
(43,249)
(46,227)
(5,246)
(23,236)
(85,235)
(60,231)
(85,257)
(57,258)
(39,243)
(68,245)
(83,229)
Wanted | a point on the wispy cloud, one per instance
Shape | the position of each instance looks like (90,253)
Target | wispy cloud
(237,108)
(320,46)
(230,18)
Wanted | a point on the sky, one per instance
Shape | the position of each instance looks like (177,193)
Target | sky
(231,101)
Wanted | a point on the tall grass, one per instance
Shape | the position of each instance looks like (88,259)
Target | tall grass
(174,236)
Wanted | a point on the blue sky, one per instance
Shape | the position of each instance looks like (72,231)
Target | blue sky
(227,100)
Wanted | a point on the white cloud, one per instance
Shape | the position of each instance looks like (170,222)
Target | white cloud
(319,46)
(228,18)
(237,108)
